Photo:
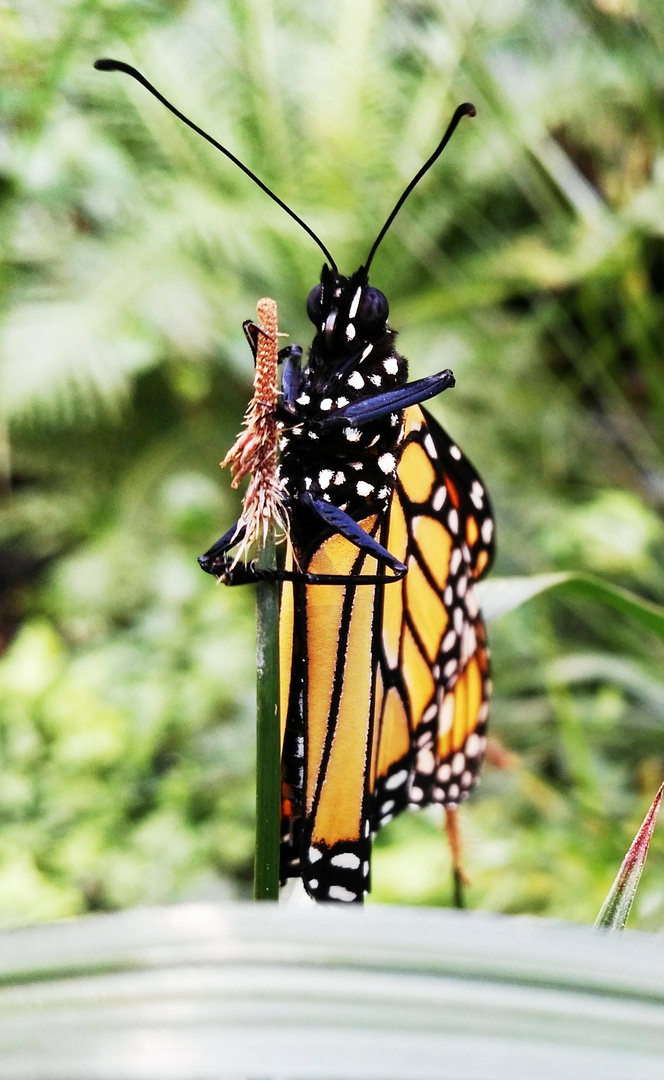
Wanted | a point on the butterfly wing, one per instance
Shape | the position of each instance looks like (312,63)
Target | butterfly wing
(385,688)
(433,684)
(329,643)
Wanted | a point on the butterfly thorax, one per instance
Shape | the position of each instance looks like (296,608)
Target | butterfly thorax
(352,358)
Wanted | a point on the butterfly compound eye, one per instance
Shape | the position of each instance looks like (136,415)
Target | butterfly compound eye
(315,304)
(373,311)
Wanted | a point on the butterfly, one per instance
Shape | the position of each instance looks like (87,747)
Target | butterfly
(385,680)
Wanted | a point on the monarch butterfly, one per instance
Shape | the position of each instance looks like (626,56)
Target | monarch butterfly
(384,664)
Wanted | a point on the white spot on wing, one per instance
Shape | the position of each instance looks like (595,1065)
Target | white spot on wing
(346,859)
(455,452)
(337,892)
(430,447)
(473,745)
(352,434)
(438,501)
(458,763)
(425,762)
(477,494)
(325,477)
(396,780)
(350,332)
(364,489)
(472,605)
(446,714)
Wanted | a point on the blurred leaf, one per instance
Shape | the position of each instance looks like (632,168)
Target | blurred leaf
(212,990)
(501,595)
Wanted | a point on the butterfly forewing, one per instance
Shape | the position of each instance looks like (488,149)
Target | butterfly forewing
(328,736)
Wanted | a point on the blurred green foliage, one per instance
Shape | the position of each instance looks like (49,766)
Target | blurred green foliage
(530,261)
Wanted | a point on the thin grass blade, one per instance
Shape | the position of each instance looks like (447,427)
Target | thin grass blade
(617,906)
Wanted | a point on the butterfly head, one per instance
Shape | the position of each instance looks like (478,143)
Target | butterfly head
(348,313)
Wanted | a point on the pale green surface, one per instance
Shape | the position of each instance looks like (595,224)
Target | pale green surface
(222,992)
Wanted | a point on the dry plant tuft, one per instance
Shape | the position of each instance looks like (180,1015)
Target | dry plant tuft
(254,452)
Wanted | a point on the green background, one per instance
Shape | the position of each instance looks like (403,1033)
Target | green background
(530,261)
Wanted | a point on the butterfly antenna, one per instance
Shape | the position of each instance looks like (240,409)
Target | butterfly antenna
(462,110)
(119,65)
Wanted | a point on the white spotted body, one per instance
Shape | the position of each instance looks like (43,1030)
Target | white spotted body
(352,358)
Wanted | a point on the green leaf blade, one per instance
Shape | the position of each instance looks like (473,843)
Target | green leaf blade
(617,906)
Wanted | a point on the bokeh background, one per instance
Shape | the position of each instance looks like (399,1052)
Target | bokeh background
(531,261)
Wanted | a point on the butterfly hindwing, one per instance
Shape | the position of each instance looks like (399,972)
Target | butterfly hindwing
(433,687)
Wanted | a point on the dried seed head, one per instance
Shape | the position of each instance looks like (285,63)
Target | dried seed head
(255,449)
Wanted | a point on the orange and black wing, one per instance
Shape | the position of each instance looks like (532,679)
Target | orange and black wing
(432,682)
(385,688)
(329,659)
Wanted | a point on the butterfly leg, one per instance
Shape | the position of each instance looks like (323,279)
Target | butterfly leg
(379,405)
(214,560)
(291,378)
(344,525)
(252,331)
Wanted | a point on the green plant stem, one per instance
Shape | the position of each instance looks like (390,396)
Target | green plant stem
(268,768)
